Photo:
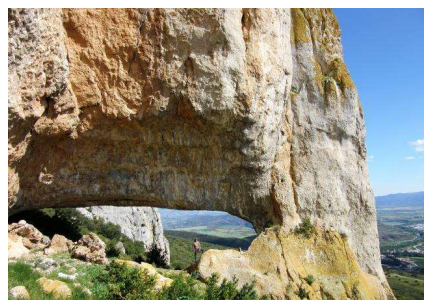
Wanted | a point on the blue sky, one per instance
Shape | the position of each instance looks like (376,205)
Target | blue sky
(384,52)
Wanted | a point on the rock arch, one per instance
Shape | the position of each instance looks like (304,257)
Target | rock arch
(249,111)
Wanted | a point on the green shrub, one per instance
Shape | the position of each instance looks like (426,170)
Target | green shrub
(228,290)
(128,283)
(305,228)
(183,287)
(302,293)
(310,279)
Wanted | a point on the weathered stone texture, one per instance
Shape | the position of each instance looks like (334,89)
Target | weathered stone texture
(137,223)
(281,263)
(249,111)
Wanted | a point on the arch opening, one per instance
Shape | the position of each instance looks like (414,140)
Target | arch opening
(163,237)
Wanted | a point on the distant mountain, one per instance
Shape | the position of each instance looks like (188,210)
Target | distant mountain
(175,219)
(400,200)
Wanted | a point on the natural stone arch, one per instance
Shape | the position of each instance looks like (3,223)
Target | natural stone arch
(188,143)
(216,109)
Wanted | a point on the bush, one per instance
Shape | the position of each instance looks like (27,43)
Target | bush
(131,283)
(305,228)
(310,279)
(127,283)
(182,288)
(228,290)
(302,293)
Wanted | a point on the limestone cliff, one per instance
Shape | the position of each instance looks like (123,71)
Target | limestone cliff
(249,111)
(286,265)
(137,223)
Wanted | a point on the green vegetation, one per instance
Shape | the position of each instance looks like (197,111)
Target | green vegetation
(227,290)
(406,286)
(20,273)
(118,281)
(224,231)
(310,279)
(302,293)
(227,242)
(181,255)
(305,228)
(124,282)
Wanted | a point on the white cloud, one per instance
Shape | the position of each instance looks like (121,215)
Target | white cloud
(418,145)
(371,158)
(409,158)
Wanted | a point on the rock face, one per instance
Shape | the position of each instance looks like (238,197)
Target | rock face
(248,111)
(137,223)
(282,263)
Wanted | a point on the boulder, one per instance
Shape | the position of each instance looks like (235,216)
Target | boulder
(90,248)
(59,244)
(19,292)
(32,237)
(57,288)
(16,249)
(161,281)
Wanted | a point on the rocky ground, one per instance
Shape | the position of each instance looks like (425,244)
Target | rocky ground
(44,268)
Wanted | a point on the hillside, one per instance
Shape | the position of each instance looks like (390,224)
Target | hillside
(401,222)
(400,200)
(181,255)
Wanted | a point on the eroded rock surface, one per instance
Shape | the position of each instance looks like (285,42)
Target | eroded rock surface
(19,292)
(90,248)
(29,235)
(286,264)
(59,244)
(249,111)
(16,249)
(137,223)
(57,288)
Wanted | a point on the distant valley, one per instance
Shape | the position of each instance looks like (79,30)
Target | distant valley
(212,223)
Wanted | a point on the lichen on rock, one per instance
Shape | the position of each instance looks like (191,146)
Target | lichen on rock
(282,261)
